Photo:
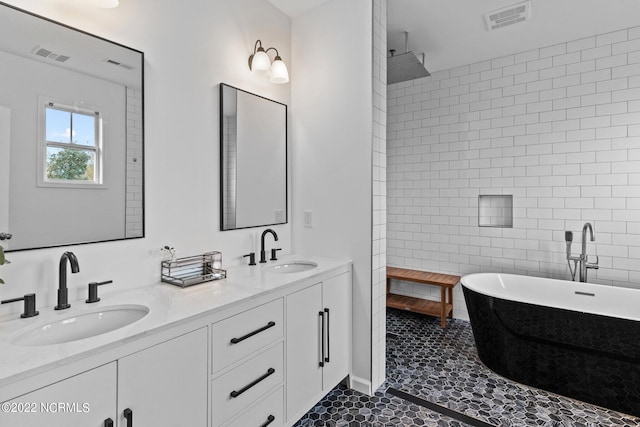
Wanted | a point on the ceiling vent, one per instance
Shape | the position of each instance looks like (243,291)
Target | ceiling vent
(119,64)
(509,15)
(45,53)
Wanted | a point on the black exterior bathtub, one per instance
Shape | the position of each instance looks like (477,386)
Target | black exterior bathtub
(587,356)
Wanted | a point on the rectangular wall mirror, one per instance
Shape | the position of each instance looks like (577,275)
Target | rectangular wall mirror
(253,160)
(71,135)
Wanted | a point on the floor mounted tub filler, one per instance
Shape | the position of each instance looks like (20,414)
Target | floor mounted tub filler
(580,340)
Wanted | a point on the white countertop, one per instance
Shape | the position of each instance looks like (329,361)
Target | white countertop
(169,306)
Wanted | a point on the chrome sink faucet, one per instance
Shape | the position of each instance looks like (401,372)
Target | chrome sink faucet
(63,292)
(582,259)
(263,253)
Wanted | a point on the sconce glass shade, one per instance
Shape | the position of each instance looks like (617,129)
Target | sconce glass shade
(279,72)
(260,61)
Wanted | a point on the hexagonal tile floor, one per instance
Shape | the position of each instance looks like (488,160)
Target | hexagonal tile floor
(442,368)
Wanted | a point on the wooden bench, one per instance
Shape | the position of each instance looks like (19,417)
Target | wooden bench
(442,308)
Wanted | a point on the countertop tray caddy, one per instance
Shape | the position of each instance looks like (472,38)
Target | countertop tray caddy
(192,270)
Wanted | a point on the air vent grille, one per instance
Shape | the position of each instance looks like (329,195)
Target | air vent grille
(509,15)
(42,52)
(119,64)
(46,53)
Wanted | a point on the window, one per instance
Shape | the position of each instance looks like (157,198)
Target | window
(72,146)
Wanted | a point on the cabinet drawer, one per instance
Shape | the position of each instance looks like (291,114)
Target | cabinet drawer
(248,382)
(240,335)
(268,410)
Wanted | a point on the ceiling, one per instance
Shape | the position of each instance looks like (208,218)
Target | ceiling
(22,34)
(453,32)
(294,8)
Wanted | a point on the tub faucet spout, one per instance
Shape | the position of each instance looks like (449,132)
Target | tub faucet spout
(584,264)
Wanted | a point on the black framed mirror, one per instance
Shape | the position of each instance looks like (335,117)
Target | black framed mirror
(71,135)
(253,160)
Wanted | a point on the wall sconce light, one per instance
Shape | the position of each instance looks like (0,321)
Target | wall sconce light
(260,61)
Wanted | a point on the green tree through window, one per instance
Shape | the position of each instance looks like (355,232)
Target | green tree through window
(70,164)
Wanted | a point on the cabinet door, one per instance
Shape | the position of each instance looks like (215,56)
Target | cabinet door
(166,385)
(87,400)
(336,296)
(304,374)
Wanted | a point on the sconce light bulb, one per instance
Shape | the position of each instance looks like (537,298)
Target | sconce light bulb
(279,72)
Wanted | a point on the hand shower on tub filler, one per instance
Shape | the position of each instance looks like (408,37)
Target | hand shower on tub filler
(582,259)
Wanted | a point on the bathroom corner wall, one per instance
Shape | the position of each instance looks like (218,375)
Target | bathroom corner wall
(332,99)
(379,189)
(557,127)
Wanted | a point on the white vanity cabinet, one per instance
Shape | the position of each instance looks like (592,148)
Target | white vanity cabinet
(318,336)
(248,367)
(164,385)
(220,355)
(86,399)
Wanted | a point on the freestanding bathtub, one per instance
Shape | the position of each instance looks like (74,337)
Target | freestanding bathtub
(577,339)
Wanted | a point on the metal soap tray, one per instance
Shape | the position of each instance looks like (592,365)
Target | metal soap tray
(191,270)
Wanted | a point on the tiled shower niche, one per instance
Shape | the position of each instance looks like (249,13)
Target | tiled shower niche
(495,210)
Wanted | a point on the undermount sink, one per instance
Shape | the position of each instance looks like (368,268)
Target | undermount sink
(83,325)
(292,267)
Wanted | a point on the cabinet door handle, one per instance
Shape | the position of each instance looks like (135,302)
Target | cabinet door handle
(326,359)
(250,334)
(108,422)
(235,393)
(128,415)
(270,419)
(321,314)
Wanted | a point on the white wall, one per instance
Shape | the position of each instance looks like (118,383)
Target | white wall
(189,50)
(557,127)
(41,216)
(332,148)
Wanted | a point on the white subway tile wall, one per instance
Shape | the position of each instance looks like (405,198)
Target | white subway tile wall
(556,127)
(230,142)
(134,204)
(379,189)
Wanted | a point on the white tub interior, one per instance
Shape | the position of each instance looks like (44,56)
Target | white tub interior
(591,298)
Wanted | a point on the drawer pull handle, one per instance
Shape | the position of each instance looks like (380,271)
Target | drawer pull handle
(235,393)
(108,422)
(326,359)
(270,419)
(128,415)
(321,314)
(250,334)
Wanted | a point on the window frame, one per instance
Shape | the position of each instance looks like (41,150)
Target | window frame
(45,103)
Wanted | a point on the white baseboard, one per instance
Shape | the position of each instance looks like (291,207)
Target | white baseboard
(360,384)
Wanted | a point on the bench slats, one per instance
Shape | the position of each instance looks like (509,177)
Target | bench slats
(442,308)
(425,277)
